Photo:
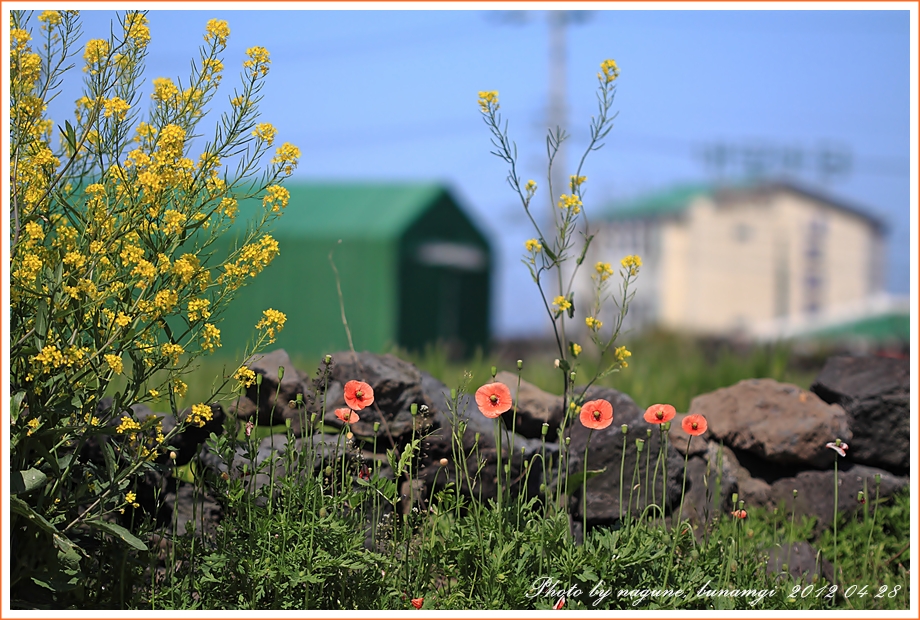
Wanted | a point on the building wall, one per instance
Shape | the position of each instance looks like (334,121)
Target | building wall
(747,260)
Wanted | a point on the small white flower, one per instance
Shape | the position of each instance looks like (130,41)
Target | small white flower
(841,449)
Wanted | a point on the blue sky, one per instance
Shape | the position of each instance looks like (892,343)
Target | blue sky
(391,95)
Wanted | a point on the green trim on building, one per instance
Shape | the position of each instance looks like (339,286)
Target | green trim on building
(882,328)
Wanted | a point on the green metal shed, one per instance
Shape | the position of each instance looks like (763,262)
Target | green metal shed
(414,270)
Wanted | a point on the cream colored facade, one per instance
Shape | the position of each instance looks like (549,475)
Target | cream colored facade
(764,260)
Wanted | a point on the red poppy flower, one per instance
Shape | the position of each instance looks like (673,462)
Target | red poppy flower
(347,415)
(493,399)
(694,424)
(560,603)
(597,414)
(659,414)
(418,602)
(740,514)
(358,395)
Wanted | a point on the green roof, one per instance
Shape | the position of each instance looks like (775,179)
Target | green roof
(675,199)
(353,210)
(658,204)
(891,326)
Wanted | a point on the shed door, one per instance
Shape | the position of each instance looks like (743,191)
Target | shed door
(444,297)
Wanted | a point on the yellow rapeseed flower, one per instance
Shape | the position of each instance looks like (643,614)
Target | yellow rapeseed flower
(576,181)
(570,201)
(272,322)
(621,353)
(210,337)
(593,324)
(609,71)
(51,18)
(561,304)
(604,270)
(114,362)
(128,425)
(576,349)
(200,415)
(265,132)
(488,99)
(631,263)
(275,197)
(218,30)
(95,52)
(532,245)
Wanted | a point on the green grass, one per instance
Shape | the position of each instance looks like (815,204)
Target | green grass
(322,544)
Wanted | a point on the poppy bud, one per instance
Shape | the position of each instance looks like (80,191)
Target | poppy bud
(413,409)
(572,376)
(280,373)
(299,398)
(795,493)
(327,360)
(494,371)
(735,498)
(666,426)
(624,429)
(648,433)
(328,470)
(287,423)
(376,426)
(173,455)
(520,364)
(568,440)
(544,429)
(443,462)
(313,417)
(878,478)
(476,437)
(259,379)
(453,393)
(640,444)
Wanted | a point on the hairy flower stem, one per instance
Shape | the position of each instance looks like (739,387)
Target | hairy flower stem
(836,491)
(584,492)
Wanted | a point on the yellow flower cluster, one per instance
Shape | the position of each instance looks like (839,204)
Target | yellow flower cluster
(265,132)
(128,425)
(609,71)
(50,18)
(130,498)
(253,258)
(621,353)
(593,324)
(272,322)
(210,337)
(114,362)
(246,376)
(576,349)
(95,52)
(200,415)
(561,303)
(173,351)
(136,28)
(287,156)
(258,60)
(604,270)
(217,30)
(276,198)
(576,181)
(488,100)
(631,264)
(532,245)
(198,308)
(570,201)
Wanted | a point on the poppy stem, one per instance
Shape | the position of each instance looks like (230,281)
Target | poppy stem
(836,489)
(498,477)
(584,493)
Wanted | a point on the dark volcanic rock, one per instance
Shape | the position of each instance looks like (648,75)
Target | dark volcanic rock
(777,422)
(875,392)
